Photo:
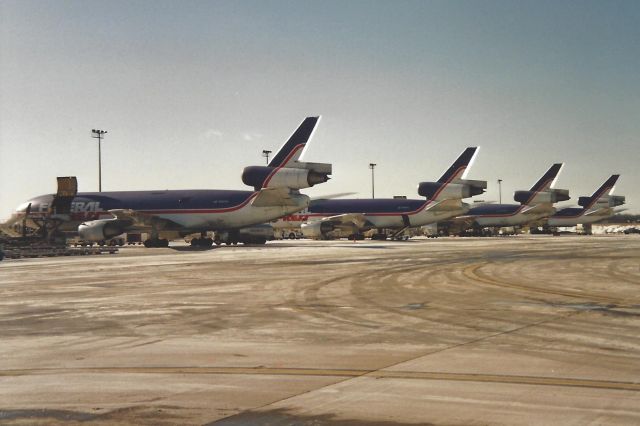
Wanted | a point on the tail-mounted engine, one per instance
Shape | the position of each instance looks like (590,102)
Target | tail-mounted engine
(548,196)
(616,200)
(464,188)
(297,175)
(604,201)
(103,229)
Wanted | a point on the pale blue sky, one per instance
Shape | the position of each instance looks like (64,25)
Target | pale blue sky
(191,92)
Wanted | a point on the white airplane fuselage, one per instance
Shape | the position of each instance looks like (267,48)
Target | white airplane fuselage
(188,209)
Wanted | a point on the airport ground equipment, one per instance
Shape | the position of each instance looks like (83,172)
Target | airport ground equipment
(37,234)
(35,246)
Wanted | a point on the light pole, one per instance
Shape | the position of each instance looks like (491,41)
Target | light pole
(99,134)
(373,183)
(265,154)
(500,190)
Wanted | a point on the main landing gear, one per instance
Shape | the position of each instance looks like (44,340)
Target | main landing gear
(201,242)
(156,242)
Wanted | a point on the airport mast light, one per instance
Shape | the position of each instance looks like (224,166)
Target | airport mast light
(265,154)
(373,186)
(500,190)
(99,134)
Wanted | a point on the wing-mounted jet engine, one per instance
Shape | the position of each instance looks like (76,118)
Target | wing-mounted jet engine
(103,229)
(452,184)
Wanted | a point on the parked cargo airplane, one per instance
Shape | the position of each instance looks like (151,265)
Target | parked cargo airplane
(598,206)
(535,204)
(102,215)
(351,217)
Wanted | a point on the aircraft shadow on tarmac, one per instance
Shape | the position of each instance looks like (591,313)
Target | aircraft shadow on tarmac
(347,244)
(282,416)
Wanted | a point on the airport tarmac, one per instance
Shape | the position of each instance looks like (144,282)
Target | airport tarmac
(451,331)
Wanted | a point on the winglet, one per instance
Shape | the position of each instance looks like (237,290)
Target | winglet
(459,168)
(293,148)
(548,180)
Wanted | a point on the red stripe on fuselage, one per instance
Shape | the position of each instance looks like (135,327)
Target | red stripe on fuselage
(595,199)
(448,181)
(418,210)
(283,164)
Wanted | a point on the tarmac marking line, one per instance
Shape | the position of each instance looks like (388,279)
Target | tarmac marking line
(350,373)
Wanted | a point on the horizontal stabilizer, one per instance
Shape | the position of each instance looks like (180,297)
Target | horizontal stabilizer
(533,209)
(354,219)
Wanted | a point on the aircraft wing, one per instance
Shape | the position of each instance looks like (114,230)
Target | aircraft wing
(603,211)
(132,216)
(452,204)
(275,197)
(358,220)
(538,208)
(139,220)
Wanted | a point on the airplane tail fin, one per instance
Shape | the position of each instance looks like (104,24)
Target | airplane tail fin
(459,169)
(285,170)
(603,195)
(293,148)
(548,180)
(453,183)
(544,190)
(606,188)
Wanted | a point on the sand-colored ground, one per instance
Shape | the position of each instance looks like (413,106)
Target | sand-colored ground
(518,330)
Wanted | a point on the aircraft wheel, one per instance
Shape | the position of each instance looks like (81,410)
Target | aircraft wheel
(156,242)
(195,242)
(206,242)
